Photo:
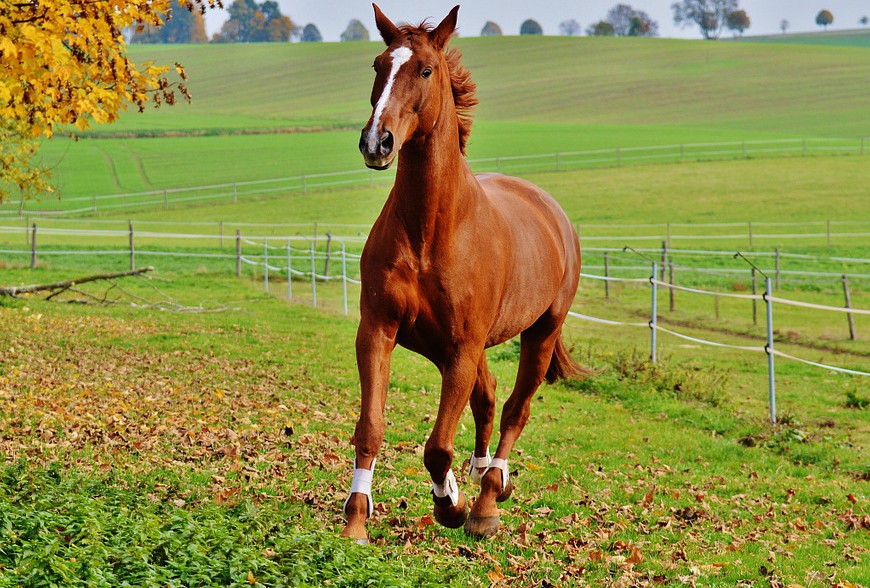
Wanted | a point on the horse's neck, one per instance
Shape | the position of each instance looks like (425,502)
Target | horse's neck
(434,189)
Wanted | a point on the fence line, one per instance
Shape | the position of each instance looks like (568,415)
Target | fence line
(549,161)
(312,256)
(768,349)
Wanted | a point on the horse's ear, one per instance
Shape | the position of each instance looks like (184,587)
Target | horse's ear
(442,33)
(388,30)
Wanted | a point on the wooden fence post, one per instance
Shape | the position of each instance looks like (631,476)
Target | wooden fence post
(328,248)
(238,254)
(33,248)
(848,295)
(777,268)
(132,247)
(664,260)
(754,300)
(671,282)
(606,275)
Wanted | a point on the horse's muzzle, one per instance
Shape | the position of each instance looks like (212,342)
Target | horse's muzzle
(377,150)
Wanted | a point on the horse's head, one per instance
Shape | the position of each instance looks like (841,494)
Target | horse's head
(412,83)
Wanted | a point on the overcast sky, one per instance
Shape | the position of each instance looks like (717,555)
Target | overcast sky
(332,16)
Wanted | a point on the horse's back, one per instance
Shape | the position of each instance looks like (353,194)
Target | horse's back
(527,207)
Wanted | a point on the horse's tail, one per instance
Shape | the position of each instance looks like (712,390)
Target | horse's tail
(563,366)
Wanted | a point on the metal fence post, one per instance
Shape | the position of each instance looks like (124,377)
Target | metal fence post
(653,320)
(771,370)
(289,273)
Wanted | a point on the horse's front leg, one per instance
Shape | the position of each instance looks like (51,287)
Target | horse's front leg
(374,347)
(458,378)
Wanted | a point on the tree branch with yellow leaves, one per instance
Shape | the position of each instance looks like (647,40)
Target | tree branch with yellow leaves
(65,63)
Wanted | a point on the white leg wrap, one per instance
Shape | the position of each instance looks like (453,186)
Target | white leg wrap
(499,464)
(448,488)
(362,484)
(478,462)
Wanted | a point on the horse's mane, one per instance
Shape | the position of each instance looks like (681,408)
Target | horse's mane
(464,89)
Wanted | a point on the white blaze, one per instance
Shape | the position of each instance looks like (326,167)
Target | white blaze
(400,57)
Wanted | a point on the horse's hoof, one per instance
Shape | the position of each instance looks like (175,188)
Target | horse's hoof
(506,493)
(448,515)
(357,533)
(482,527)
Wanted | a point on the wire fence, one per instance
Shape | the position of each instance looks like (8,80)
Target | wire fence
(305,267)
(561,161)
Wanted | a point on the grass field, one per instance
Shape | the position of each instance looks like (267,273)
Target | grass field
(846,38)
(195,432)
(537,96)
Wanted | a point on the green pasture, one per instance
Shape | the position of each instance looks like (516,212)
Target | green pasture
(542,95)
(148,450)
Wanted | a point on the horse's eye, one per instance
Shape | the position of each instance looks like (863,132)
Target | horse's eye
(426,72)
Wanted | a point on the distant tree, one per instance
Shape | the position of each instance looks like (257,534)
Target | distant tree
(183,25)
(824,18)
(864,20)
(531,27)
(355,31)
(569,28)
(600,29)
(311,34)
(738,21)
(279,29)
(490,29)
(783,26)
(628,22)
(710,16)
(250,22)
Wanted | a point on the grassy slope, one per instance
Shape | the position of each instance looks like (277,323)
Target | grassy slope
(846,38)
(537,96)
(235,461)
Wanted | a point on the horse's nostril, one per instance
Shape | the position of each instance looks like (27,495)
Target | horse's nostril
(386,143)
(362,141)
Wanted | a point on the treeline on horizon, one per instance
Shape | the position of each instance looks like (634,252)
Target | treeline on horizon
(253,22)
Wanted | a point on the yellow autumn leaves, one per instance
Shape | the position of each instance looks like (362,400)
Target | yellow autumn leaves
(64,62)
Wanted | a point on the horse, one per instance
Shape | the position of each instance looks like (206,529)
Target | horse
(454,264)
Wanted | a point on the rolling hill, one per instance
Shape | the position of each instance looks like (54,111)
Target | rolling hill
(538,95)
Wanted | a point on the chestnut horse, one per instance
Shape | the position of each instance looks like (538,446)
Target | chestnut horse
(454,264)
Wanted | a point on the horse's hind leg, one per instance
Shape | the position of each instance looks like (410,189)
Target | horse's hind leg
(536,351)
(483,409)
